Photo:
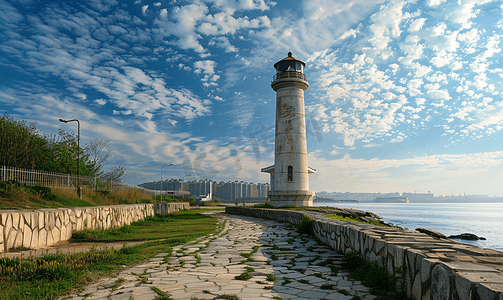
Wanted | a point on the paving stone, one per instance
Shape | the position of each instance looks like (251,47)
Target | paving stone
(217,271)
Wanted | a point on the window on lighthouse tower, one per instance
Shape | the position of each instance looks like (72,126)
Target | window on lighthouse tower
(289,177)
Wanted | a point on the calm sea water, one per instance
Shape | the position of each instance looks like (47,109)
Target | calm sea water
(482,219)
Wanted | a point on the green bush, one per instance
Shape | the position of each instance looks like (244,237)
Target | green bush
(45,192)
(306,225)
(263,205)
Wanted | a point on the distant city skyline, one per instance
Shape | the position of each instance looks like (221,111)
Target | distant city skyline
(403,96)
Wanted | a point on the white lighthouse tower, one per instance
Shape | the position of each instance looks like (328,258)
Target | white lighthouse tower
(289,174)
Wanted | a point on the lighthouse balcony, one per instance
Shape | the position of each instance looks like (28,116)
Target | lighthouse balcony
(288,75)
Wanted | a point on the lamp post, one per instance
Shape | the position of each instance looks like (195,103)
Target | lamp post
(78,152)
(183,180)
(161,177)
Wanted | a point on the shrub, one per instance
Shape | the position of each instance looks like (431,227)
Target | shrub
(306,225)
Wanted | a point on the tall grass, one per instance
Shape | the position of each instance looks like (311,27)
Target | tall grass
(15,195)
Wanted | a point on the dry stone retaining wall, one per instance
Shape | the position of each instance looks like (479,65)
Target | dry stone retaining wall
(427,267)
(47,227)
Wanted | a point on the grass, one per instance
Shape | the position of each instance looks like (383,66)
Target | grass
(51,276)
(243,276)
(271,277)
(176,226)
(349,219)
(15,195)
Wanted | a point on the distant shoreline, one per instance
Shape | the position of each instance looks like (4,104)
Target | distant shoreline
(436,200)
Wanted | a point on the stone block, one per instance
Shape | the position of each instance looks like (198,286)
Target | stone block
(66,215)
(10,237)
(42,237)
(426,267)
(440,287)
(27,233)
(416,287)
(62,233)
(56,235)
(50,239)
(79,224)
(15,220)
(34,220)
(49,217)
(463,286)
(25,218)
(7,225)
(57,221)
(34,238)
(399,256)
(41,219)
(489,290)
(2,246)
(379,247)
(18,241)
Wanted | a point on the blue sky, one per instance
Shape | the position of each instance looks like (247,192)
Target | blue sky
(404,96)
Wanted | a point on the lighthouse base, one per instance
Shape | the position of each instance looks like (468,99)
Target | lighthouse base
(290,198)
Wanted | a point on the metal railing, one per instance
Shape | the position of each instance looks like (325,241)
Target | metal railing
(61,180)
(289,74)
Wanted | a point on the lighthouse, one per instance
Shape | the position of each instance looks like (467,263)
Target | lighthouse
(289,174)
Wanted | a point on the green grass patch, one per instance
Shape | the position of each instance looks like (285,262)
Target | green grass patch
(271,277)
(350,219)
(181,226)
(306,225)
(51,276)
(243,276)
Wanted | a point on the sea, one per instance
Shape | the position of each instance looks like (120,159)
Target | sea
(481,219)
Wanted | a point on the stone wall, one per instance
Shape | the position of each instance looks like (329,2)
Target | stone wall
(427,267)
(47,227)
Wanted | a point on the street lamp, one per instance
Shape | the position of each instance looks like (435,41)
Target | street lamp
(183,180)
(161,177)
(78,152)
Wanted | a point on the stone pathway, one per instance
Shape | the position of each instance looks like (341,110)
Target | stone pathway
(264,250)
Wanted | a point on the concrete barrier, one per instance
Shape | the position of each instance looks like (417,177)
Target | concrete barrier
(427,267)
(46,227)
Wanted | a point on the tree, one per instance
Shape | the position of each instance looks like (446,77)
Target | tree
(96,159)
(116,174)
(20,144)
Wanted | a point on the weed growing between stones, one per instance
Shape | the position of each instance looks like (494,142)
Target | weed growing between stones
(304,281)
(286,281)
(244,276)
(249,269)
(260,282)
(271,277)
(327,286)
(335,270)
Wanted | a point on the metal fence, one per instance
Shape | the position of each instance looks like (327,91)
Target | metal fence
(61,180)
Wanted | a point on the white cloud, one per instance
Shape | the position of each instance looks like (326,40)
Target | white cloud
(223,42)
(205,66)
(417,24)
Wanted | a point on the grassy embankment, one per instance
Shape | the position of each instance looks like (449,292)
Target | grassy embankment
(14,195)
(51,276)
(331,216)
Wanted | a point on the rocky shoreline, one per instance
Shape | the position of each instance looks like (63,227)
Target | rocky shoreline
(366,216)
